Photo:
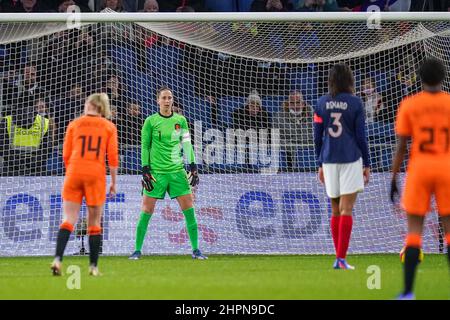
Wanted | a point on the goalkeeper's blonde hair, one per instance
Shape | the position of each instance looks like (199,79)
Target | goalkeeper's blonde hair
(101,102)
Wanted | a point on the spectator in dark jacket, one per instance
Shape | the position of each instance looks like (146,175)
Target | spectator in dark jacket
(295,124)
(129,125)
(172,5)
(66,109)
(18,90)
(115,5)
(31,6)
(251,115)
(270,5)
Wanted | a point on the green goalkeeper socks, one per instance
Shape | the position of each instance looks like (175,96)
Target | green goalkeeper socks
(191,226)
(141,229)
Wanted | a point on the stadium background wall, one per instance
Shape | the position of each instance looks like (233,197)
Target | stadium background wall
(291,218)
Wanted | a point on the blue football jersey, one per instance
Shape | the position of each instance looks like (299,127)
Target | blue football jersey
(339,129)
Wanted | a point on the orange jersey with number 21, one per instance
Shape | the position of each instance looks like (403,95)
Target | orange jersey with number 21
(425,117)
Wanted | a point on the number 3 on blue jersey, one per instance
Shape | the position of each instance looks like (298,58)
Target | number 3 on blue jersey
(337,123)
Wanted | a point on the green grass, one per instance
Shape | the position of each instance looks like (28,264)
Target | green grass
(220,277)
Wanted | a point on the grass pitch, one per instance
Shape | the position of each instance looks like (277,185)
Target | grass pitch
(220,277)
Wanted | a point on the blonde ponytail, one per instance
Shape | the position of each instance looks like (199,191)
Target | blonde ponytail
(101,102)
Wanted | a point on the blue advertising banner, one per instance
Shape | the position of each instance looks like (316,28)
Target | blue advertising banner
(236,213)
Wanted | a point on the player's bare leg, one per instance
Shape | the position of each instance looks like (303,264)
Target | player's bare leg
(95,235)
(346,204)
(71,212)
(187,206)
(334,226)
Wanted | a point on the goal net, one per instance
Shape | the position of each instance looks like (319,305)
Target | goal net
(247,89)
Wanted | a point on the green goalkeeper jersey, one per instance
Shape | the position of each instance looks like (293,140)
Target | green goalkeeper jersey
(163,141)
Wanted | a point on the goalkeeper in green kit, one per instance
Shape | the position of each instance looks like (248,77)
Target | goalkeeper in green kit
(164,136)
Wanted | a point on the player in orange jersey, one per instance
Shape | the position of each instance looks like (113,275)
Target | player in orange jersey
(88,140)
(424,117)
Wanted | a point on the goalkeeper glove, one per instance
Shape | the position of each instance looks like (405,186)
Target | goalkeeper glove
(193,175)
(394,189)
(147,179)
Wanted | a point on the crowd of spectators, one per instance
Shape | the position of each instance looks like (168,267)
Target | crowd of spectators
(56,86)
(76,63)
(223,5)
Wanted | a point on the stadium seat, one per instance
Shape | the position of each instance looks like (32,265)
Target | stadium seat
(226,107)
(374,154)
(140,87)
(277,44)
(124,59)
(381,80)
(387,154)
(244,5)
(378,132)
(196,108)
(306,159)
(55,164)
(306,82)
(283,162)
(221,5)
(3,52)
(273,104)
(309,43)
(131,160)
(163,60)
(163,63)
(181,83)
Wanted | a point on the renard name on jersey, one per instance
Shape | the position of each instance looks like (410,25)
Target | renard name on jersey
(336,105)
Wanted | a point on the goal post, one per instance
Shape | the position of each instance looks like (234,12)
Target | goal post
(247,84)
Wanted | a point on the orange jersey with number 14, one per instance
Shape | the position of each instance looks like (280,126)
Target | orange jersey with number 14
(88,140)
(425,117)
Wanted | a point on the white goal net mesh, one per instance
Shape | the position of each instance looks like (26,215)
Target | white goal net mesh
(247,91)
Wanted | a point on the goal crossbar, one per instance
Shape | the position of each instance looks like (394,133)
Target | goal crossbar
(224,17)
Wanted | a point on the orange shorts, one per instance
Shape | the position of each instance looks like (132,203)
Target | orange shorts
(92,188)
(421,183)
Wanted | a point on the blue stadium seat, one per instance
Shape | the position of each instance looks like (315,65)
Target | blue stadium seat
(283,161)
(181,83)
(273,104)
(226,107)
(244,5)
(139,86)
(386,156)
(163,60)
(381,80)
(3,51)
(378,132)
(131,160)
(309,43)
(277,43)
(197,108)
(374,154)
(221,5)
(306,82)
(124,58)
(55,164)
(306,158)
(358,81)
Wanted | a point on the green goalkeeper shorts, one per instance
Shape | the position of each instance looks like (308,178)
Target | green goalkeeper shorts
(176,184)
